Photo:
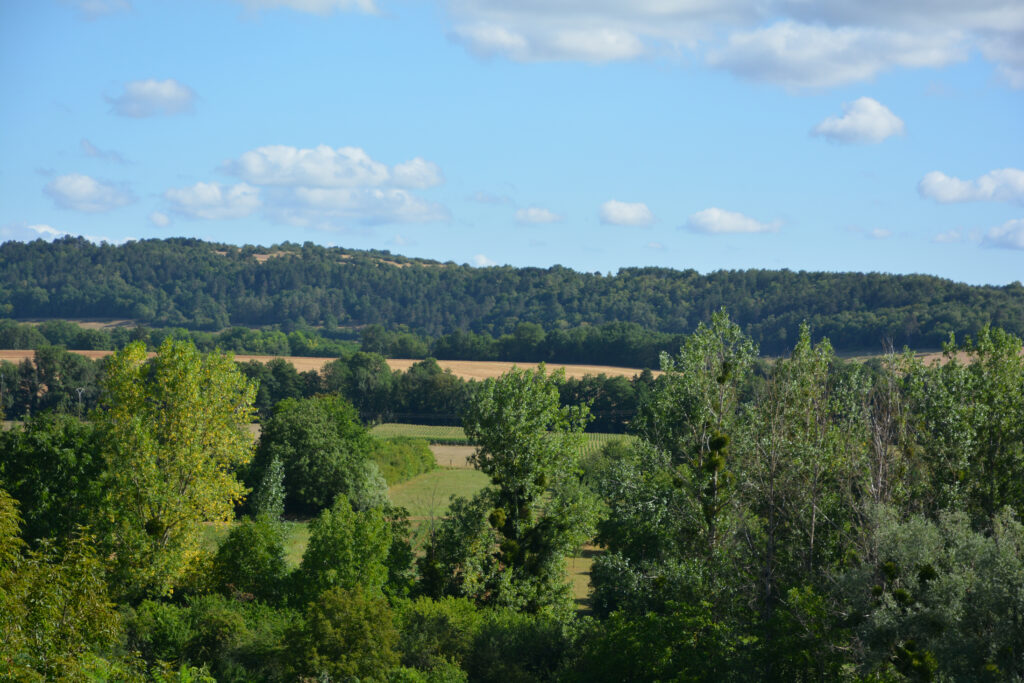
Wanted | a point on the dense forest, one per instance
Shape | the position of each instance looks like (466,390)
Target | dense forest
(807,519)
(202,285)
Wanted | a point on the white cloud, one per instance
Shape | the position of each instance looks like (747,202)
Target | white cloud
(812,56)
(795,43)
(614,212)
(481,261)
(326,167)
(948,237)
(656,246)
(321,7)
(153,98)
(91,150)
(716,221)
(536,214)
(1009,235)
(82,193)
(864,120)
(160,220)
(879,234)
(93,9)
(416,174)
(27,233)
(1004,185)
(482,197)
(212,201)
(337,207)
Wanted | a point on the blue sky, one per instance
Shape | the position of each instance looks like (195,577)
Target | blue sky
(707,134)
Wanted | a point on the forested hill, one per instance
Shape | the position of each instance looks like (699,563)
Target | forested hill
(203,285)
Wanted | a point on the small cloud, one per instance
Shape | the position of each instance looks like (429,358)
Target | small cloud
(486,198)
(482,261)
(320,7)
(212,201)
(416,174)
(94,152)
(864,121)
(153,98)
(948,237)
(26,233)
(82,193)
(1006,185)
(879,234)
(1009,235)
(614,212)
(160,220)
(656,246)
(94,9)
(536,215)
(716,221)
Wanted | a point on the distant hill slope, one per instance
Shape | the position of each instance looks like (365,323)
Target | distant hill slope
(203,285)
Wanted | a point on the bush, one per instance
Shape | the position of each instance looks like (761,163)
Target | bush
(251,562)
(402,458)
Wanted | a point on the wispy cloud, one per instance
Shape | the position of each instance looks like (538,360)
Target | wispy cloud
(80,192)
(715,221)
(537,215)
(153,98)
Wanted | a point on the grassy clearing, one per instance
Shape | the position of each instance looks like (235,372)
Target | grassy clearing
(455,436)
(427,496)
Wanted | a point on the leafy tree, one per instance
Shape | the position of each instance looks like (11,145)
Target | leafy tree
(507,546)
(251,560)
(173,430)
(52,465)
(324,450)
(347,549)
(268,498)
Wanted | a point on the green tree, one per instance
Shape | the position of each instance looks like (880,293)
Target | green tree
(325,451)
(347,549)
(508,545)
(251,560)
(173,429)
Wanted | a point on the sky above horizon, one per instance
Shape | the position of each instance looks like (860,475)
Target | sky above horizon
(595,134)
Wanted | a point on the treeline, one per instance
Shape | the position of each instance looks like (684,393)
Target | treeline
(805,520)
(201,285)
(59,381)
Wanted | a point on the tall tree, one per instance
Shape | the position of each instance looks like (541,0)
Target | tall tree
(174,429)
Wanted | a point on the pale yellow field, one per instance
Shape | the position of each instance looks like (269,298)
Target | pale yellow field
(466,369)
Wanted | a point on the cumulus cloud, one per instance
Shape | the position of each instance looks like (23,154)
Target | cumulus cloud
(481,260)
(864,120)
(326,167)
(1003,185)
(1009,235)
(536,214)
(153,98)
(93,9)
(614,212)
(794,43)
(159,219)
(327,208)
(94,152)
(813,56)
(716,221)
(80,192)
(213,201)
(321,7)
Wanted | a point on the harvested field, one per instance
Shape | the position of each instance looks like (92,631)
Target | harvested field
(456,457)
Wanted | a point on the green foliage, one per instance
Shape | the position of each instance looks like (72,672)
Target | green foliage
(324,450)
(172,430)
(507,546)
(402,458)
(268,498)
(55,617)
(347,634)
(52,466)
(347,549)
(251,560)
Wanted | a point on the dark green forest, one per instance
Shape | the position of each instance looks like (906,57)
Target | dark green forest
(463,312)
(807,519)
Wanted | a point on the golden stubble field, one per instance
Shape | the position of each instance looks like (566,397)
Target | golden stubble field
(466,369)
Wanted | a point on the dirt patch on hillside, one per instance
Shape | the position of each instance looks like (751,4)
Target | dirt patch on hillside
(485,369)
